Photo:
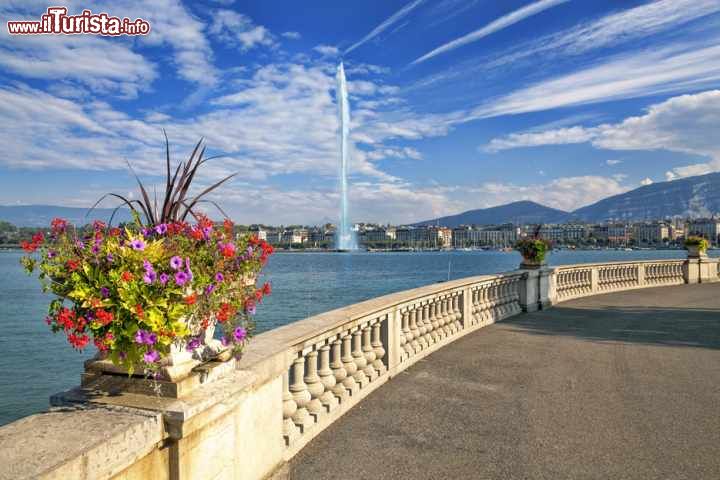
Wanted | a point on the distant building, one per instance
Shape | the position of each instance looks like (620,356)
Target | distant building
(708,228)
(651,233)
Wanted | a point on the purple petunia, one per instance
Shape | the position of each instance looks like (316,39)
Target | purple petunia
(138,245)
(161,229)
(105,292)
(187,266)
(176,262)
(145,338)
(219,277)
(164,278)
(224,341)
(210,289)
(239,334)
(151,357)
(96,249)
(51,254)
(149,277)
(110,257)
(193,344)
(181,278)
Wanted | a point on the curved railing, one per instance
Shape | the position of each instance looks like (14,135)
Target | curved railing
(574,281)
(294,381)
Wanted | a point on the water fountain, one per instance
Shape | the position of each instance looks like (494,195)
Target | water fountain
(345,237)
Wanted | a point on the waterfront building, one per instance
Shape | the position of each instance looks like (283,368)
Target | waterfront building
(651,233)
(708,228)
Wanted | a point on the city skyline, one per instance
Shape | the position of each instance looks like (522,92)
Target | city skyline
(455,105)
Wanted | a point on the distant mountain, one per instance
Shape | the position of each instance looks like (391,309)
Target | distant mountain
(517,212)
(41,215)
(687,197)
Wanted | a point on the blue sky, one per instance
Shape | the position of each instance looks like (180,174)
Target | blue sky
(455,104)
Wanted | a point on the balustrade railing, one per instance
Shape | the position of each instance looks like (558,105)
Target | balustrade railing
(573,281)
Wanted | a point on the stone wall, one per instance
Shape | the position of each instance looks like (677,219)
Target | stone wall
(245,419)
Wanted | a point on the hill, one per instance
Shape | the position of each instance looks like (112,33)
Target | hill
(41,215)
(517,212)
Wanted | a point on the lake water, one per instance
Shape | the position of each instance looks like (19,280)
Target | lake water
(34,363)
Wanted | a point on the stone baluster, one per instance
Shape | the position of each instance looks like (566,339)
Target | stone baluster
(314,385)
(368,352)
(349,364)
(486,303)
(378,347)
(429,338)
(422,327)
(447,317)
(359,358)
(338,369)
(439,315)
(458,312)
(327,378)
(414,330)
(435,321)
(300,394)
(407,346)
(289,407)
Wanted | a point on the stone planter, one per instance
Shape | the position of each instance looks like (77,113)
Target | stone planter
(694,251)
(531,264)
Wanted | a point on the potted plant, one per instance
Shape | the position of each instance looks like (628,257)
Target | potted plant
(150,293)
(533,249)
(696,246)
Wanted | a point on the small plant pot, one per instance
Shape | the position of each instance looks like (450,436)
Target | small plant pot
(694,251)
(531,264)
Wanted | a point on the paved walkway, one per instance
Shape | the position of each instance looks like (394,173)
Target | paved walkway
(617,386)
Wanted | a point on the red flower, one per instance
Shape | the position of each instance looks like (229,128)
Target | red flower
(126,276)
(197,234)
(28,247)
(65,318)
(224,313)
(37,238)
(267,289)
(78,341)
(191,299)
(115,232)
(205,322)
(58,225)
(103,316)
(98,225)
(139,311)
(72,265)
(258,294)
(228,226)
(227,250)
(253,240)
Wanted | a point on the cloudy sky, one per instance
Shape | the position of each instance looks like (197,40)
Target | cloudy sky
(455,104)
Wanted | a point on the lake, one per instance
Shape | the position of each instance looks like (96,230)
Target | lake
(35,363)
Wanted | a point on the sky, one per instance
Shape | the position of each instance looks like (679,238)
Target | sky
(455,104)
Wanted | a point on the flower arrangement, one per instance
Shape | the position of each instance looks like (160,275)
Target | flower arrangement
(698,243)
(137,290)
(533,249)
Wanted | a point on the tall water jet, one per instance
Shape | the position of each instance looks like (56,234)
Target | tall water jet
(345,238)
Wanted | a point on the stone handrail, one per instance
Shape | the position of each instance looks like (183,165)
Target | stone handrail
(246,419)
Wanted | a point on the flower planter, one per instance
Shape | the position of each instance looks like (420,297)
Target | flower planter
(695,251)
(531,264)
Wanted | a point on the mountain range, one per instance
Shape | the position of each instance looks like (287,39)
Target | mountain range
(697,196)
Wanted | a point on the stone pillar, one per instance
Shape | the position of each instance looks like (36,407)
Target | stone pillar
(544,290)
(701,269)
(529,290)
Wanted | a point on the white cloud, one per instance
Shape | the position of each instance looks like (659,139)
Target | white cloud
(646,181)
(686,123)
(612,162)
(566,193)
(237,29)
(668,70)
(613,29)
(327,50)
(400,14)
(492,27)
(291,35)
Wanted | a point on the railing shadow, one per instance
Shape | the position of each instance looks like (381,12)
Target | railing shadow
(660,326)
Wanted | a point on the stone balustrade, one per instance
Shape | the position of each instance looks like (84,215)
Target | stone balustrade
(574,281)
(246,418)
